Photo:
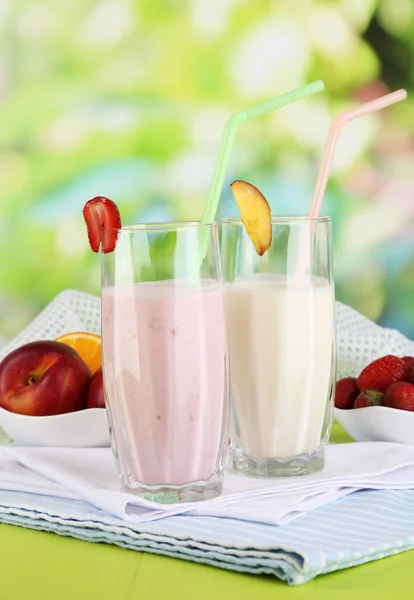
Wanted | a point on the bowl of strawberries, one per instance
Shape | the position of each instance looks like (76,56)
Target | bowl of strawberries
(378,405)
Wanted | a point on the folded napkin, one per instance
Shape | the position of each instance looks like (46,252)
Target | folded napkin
(90,475)
(362,527)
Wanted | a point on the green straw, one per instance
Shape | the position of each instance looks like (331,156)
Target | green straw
(226,146)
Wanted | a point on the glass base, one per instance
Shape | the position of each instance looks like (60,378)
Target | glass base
(263,468)
(169,494)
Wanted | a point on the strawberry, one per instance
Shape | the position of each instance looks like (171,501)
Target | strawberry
(346,393)
(101,213)
(369,398)
(400,395)
(409,360)
(382,373)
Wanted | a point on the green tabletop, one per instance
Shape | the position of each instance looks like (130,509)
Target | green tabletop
(39,565)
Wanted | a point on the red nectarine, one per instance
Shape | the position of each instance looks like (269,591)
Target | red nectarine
(43,378)
(95,397)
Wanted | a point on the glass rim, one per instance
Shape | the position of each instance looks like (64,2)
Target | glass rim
(162,226)
(282,219)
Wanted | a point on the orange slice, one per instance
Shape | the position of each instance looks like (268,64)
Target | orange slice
(255,213)
(87,345)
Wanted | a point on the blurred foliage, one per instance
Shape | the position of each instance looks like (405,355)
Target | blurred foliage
(129,98)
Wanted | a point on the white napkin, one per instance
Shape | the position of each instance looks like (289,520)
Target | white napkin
(90,475)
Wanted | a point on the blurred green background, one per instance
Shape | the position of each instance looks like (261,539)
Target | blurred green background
(129,98)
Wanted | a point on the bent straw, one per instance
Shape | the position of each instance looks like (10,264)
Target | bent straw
(227,144)
(230,132)
(325,168)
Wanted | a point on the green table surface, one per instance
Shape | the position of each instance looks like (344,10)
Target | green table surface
(39,565)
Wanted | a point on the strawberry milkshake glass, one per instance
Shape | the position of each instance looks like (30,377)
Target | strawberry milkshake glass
(165,360)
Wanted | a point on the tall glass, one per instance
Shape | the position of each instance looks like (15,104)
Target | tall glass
(281,335)
(165,360)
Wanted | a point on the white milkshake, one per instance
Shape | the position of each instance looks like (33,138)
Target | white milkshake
(281,364)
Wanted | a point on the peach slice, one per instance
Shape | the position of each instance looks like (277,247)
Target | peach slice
(255,213)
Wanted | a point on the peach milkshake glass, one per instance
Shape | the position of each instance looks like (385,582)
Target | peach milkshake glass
(281,336)
(165,360)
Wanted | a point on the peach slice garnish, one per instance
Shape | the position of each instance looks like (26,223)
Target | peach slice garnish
(255,213)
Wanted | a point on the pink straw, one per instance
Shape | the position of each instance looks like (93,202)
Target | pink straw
(324,171)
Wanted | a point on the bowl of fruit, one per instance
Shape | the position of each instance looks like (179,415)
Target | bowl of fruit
(51,393)
(378,405)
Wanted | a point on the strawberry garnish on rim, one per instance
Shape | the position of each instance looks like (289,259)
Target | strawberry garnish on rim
(101,213)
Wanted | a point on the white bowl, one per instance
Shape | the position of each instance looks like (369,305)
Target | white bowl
(378,424)
(82,429)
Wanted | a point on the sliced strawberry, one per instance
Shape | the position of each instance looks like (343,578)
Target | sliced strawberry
(101,213)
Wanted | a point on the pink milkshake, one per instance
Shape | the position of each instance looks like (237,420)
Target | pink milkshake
(164,359)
